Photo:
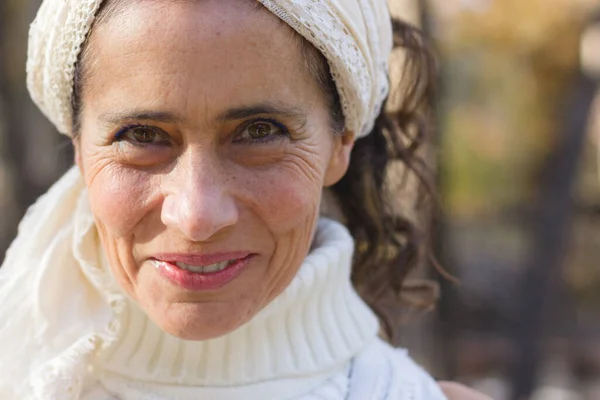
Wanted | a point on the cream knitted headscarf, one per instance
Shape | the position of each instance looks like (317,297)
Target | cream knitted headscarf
(52,317)
(354,35)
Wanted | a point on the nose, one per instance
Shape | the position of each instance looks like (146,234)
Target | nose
(197,201)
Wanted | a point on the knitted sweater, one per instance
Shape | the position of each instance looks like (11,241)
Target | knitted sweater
(317,340)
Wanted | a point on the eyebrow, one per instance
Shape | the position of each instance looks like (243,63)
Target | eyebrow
(232,114)
(115,118)
(284,110)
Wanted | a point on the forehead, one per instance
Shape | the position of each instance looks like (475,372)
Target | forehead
(178,52)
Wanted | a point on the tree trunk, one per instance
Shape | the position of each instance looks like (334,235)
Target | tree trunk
(551,232)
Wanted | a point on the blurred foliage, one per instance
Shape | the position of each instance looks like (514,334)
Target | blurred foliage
(507,67)
(510,76)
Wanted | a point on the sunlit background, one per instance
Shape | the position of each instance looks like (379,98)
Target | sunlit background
(517,149)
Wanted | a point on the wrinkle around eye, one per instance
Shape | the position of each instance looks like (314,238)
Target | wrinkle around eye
(303,166)
(144,155)
(259,154)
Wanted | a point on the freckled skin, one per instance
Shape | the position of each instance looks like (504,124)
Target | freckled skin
(201,191)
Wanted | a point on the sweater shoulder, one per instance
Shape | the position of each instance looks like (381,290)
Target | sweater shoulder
(394,375)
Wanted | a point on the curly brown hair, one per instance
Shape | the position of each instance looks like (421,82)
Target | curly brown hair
(389,244)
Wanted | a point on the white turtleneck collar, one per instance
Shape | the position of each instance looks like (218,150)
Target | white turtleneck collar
(307,334)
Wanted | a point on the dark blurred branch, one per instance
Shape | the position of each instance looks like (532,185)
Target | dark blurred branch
(32,155)
(448,308)
(588,210)
(10,104)
(9,194)
(551,232)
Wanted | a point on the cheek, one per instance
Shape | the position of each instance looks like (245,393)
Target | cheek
(287,203)
(286,200)
(120,198)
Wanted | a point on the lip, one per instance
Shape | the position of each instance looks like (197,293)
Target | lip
(166,266)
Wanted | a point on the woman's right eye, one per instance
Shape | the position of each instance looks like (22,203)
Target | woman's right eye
(142,135)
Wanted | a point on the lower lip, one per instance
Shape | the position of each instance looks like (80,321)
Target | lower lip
(199,281)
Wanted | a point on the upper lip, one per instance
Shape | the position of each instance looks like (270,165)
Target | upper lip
(201,260)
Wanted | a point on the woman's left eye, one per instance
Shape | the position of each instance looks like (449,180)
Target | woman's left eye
(260,131)
(141,135)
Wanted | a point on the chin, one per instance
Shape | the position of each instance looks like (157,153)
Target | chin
(199,321)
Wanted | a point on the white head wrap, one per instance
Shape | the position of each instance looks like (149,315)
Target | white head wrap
(53,317)
(355,36)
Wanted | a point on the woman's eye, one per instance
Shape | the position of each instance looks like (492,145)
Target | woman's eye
(142,135)
(260,131)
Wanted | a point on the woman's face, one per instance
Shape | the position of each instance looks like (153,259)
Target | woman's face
(205,144)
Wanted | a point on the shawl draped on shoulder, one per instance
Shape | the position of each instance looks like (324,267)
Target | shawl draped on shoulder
(52,316)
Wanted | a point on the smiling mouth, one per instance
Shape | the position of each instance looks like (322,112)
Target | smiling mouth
(205,269)
(202,272)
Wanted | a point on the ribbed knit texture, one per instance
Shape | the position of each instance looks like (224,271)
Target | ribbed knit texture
(304,337)
(377,372)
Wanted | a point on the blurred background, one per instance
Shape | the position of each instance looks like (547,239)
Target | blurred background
(517,149)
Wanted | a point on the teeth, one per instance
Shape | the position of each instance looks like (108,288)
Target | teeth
(207,269)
